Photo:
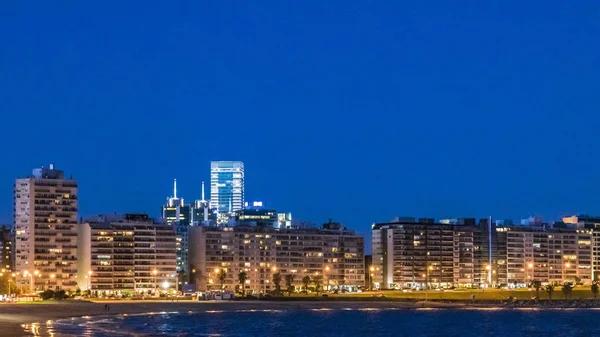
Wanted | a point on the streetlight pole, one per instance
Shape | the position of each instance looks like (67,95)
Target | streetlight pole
(154,272)
(326,274)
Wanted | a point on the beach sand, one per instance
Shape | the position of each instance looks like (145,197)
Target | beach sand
(14,318)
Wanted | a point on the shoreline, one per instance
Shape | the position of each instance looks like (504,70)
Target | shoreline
(15,318)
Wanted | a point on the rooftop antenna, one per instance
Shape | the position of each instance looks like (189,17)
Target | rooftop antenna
(203,191)
(174,188)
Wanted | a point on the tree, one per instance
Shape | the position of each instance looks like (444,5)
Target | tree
(549,290)
(4,284)
(305,283)
(242,278)
(222,276)
(318,281)
(536,284)
(289,283)
(567,289)
(47,294)
(60,295)
(277,283)
(595,289)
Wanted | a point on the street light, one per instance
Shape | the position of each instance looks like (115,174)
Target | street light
(154,272)
(326,274)
(31,286)
(371,274)
(489,276)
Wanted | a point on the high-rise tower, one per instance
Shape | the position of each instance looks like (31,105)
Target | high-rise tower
(177,214)
(46,230)
(226,188)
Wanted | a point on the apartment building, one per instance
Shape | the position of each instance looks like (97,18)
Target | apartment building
(423,253)
(550,255)
(6,243)
(333,254)
(45,219)
(128,253)
(589,223)
(464,253)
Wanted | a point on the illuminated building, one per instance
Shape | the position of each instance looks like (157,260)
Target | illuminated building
(590,223)
(550,255)
(334,254)
(177,214)
(126,254)
(201,212)
(421,254)
(465,254)
(45,221)
(226,188)
(256,215)
(6,238)
(175,210)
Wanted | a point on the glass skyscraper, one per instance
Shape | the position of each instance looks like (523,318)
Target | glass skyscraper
(226,187)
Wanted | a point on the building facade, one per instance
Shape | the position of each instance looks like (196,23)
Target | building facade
(550,255)
(6,244)
(45,220)
(424,254)
(334,255)
(127,254)
(177,214)
(226,188)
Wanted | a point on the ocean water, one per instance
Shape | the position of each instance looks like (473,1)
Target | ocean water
(336,323)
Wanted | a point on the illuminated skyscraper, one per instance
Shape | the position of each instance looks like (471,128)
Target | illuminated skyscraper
(226,188)
(177,214)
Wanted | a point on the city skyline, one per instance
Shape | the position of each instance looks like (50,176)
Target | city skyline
(363,229)
(395,108)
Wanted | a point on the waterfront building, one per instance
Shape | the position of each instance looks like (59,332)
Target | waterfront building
(423,254)
(419,254)
(226,188)
(590,223)
(131,253)
(549,255)
(333,254)
(6,244)
(45,222)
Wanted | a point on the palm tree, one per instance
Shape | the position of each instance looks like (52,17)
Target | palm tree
(318,281)
(306,282)
(595,289)
(222,276)
(567,289)
(549,290)
(277,283)
(242,278)
(536,284)
(289,281)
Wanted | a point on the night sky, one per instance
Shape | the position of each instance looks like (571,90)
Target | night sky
(359,111)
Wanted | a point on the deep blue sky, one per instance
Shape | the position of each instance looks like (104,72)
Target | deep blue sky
(359,111)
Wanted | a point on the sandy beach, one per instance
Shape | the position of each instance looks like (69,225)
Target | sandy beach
(14,316)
